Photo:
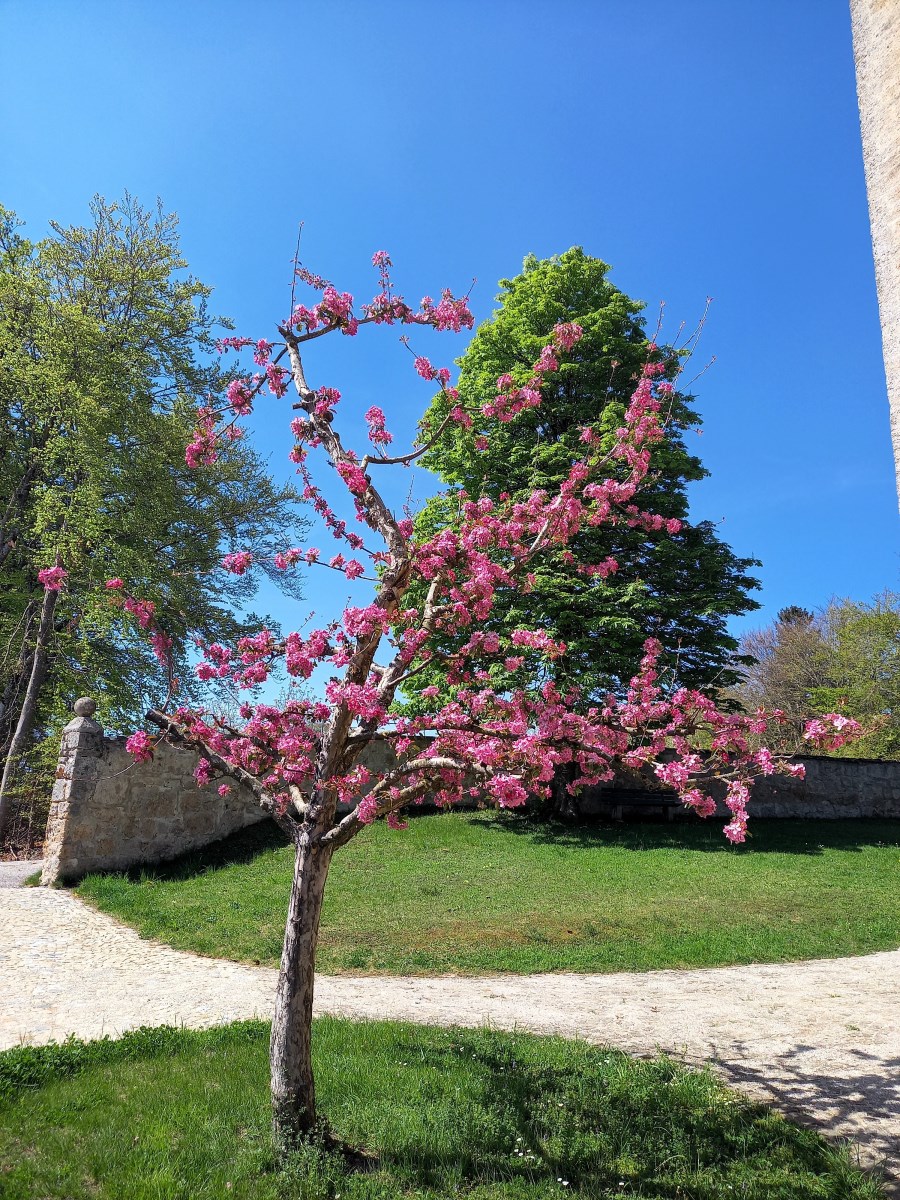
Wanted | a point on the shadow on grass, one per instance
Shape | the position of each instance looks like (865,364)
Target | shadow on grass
(241,847)
(766,837)
(786,836)
(861,1105)
(476,1107)
(593,1119)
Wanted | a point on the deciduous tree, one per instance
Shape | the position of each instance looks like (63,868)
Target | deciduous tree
(105,342)
(613,584)
(845,657)
(498,738)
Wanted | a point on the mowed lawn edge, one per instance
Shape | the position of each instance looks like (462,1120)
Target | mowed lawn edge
(478,893)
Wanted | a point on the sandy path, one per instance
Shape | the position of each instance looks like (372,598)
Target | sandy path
(820,1039)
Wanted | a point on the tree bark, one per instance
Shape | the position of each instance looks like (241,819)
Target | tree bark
(290,1051)
(25,723)
(16,683)
(562,804)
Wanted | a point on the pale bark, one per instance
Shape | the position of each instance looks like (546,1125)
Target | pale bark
(28,712)
(19,674)
(290,1051)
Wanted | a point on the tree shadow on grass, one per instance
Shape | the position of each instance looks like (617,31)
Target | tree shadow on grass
(592,1121)
(241,847)
(862,1105)
(786,836)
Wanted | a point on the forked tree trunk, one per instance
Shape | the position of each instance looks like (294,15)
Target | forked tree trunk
(290,1051)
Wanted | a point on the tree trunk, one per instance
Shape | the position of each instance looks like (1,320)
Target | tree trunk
(562,805)
(290,1051)
(15,685)
(25,723)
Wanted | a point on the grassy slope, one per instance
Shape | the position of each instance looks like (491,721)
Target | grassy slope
(475,893)
(169,1114)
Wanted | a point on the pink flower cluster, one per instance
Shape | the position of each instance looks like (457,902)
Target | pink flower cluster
(139,746)
(201,452)
(238,562)
(512,399)
(53,578)
(378,434)
(832,731)
(143,610)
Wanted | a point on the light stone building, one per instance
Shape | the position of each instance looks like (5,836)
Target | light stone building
(876,49)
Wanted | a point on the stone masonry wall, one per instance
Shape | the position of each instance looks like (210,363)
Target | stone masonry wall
(834,788)
(109,812)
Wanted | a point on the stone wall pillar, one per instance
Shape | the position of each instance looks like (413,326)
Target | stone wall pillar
(81,754)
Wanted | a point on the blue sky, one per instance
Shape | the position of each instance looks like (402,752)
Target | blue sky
(703,148)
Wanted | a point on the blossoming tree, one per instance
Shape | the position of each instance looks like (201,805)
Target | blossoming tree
(506,731)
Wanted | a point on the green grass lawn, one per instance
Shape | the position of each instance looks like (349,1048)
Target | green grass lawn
(477,892)
(167,1114)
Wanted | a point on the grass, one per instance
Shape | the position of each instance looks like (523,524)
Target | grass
(166,1114)
(472,893)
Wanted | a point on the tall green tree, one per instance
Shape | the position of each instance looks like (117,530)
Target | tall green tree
(680,589)
(105,351)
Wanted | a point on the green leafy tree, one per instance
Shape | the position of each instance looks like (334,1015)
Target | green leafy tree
(105,344)
(679,589)
(864,640)
(844,659)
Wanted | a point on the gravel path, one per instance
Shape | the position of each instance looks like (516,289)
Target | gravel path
(819,1039)
(14,872)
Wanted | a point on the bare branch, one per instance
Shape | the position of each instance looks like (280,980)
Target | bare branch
(178,734)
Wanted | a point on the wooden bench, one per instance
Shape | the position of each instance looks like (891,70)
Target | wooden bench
(616,800)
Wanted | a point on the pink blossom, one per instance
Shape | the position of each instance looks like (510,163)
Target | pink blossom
(238,562)
(240,397)
(144,610)
(507,791)
(140,747)
(832,731)
(354,477)
(53,578)
(498,728)
(114,584)
(161,644)
(277,378)
(567,335)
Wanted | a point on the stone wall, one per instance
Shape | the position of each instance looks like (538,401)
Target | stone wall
(834,788)
(108,811)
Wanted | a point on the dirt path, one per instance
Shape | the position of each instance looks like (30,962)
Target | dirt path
(821,1040)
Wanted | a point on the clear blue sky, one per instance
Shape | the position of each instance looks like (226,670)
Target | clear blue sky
(703,148)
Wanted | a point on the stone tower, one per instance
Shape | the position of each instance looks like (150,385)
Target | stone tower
(876,49)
